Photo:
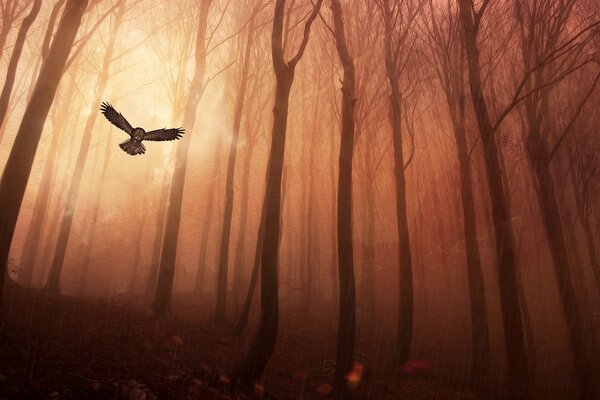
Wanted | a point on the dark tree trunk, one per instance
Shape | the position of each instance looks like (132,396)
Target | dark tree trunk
(29,254)
(208,216)
(11,71)
(18,166)
(220,310)
(368,261)
(347,307)
(312,267)
(45,43)
(166,273)
(583,337)
(584,220)
(479,324)
(53,284)
(245,314)
(404,330)
(333,212)
(454,89)
(518,368)
(261,349)
(240,247)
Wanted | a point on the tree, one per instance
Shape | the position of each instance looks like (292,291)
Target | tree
(10,11)
(220,309)
(396,37)
(53,284)
(164,286)
(261,349)
(518,369)
(541,40)
(18,166)
(29,254)
(347,307)
(448,52)
(11,72)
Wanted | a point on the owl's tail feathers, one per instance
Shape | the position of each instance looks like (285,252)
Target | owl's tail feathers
(133,148)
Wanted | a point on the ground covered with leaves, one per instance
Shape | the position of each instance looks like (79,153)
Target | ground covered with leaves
(72,348)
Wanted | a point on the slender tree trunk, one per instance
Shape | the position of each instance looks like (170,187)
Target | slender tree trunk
(587,229)
(53,284)
(455,99)
(87,253)
(333,213)
(220,310)
(166,273)
(368,262)
(347,307)
(11,71)
(138,249)
(312,270)
(158,236)
(405,291)
(45,43)
(18,167)
(303,268)
(261,349)
(34,231)
(583,337)
(240,249)
(245,314)
(479,324)
(518,368)
(294,280)
(208,216)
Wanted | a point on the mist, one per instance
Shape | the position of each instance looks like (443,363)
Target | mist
(372,199)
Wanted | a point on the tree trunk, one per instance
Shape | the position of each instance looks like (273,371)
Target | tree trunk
(240,247)
(368,262)
(333,212)
(312,270)
(45,44)
(587,229)
(583,337)
(42,200)
(87,253)
(158,236)
(11,71)
(454,89)
(518,368)
(208,216)
(220,310)
(245,314)
(19,163)
(261,349)
(138,249)
(166,273)
(347,296)
(53,284)
(405,291)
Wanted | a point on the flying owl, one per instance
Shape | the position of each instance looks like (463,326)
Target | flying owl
(134,145)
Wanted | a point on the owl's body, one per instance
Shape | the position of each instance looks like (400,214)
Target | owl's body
(134,145)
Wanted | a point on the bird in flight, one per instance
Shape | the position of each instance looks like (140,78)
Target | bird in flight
(134,145)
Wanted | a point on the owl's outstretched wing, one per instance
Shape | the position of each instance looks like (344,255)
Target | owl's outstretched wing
(160,135)
(116,118)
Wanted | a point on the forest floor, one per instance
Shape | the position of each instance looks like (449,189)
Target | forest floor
(72,348)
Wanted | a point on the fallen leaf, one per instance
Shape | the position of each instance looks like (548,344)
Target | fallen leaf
(259,390)
(324,389)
